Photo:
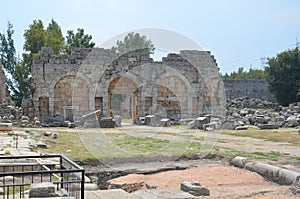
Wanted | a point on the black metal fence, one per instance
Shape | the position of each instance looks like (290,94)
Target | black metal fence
(18,173)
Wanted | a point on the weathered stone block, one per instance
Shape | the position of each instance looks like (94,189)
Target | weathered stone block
(165,122)
(118,120)
(194,188)
(5,126)
(150,120)
(200,121)
(268,126)
(241,127)
(40,190)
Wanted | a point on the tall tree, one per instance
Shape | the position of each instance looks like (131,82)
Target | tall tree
(78,40)
(283,75)
(134,41)
(54,38)
(34,37)
(37,37)
(18,78)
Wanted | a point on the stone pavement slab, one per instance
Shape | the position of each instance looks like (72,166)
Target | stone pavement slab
(108,194)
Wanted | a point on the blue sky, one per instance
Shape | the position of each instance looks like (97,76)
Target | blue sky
(237,32)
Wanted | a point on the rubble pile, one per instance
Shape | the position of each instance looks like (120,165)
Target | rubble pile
(263,114)
(242,113)
(246,102)
(12,115)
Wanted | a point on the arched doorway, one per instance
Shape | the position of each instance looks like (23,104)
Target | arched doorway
(71,95)
(172,95)
(124,98)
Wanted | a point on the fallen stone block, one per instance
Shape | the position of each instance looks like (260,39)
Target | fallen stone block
(194,188)
(118,120)
(128,187)
(150,120)
(41,145)
(185,122)
(291,122)
(107,123)
(71,125)
(91,120)
(5,126)
(192,125)
(268,126)
(241,127)
(165,122)
(200,122)
(40,190)
(212,126)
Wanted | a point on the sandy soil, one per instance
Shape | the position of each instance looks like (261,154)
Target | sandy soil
(222,180)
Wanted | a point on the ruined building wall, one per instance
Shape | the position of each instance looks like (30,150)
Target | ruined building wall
(248,88)
(67,87)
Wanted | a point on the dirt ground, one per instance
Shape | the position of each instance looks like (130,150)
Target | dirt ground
(223,181)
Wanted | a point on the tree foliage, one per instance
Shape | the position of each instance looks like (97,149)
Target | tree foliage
(37,37)
(134,41)
(283,75)
(54,38)
(242,74)
(18,78)
(78,40)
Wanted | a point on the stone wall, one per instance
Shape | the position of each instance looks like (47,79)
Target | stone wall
(248,88)
(181,86)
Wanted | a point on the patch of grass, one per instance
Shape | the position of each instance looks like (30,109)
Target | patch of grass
(273,136)
(68,143)
(137,146)
(298,158)
(258,155)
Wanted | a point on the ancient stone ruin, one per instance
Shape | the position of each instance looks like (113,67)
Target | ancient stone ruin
(132,85)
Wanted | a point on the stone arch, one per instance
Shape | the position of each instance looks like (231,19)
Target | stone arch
(172,95)
(192,105)
(85,78)
(124,96)
(70,98)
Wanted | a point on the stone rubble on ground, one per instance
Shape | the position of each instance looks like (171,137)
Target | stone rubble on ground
(194,188)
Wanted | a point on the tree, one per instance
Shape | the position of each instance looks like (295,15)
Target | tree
(54,38)
(34,37)
(18,79)
(283,75)
(78,40)
(241,74)
(133,41)
(37,37)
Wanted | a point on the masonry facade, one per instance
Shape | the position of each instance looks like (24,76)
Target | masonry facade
(132,85)
(254,88)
